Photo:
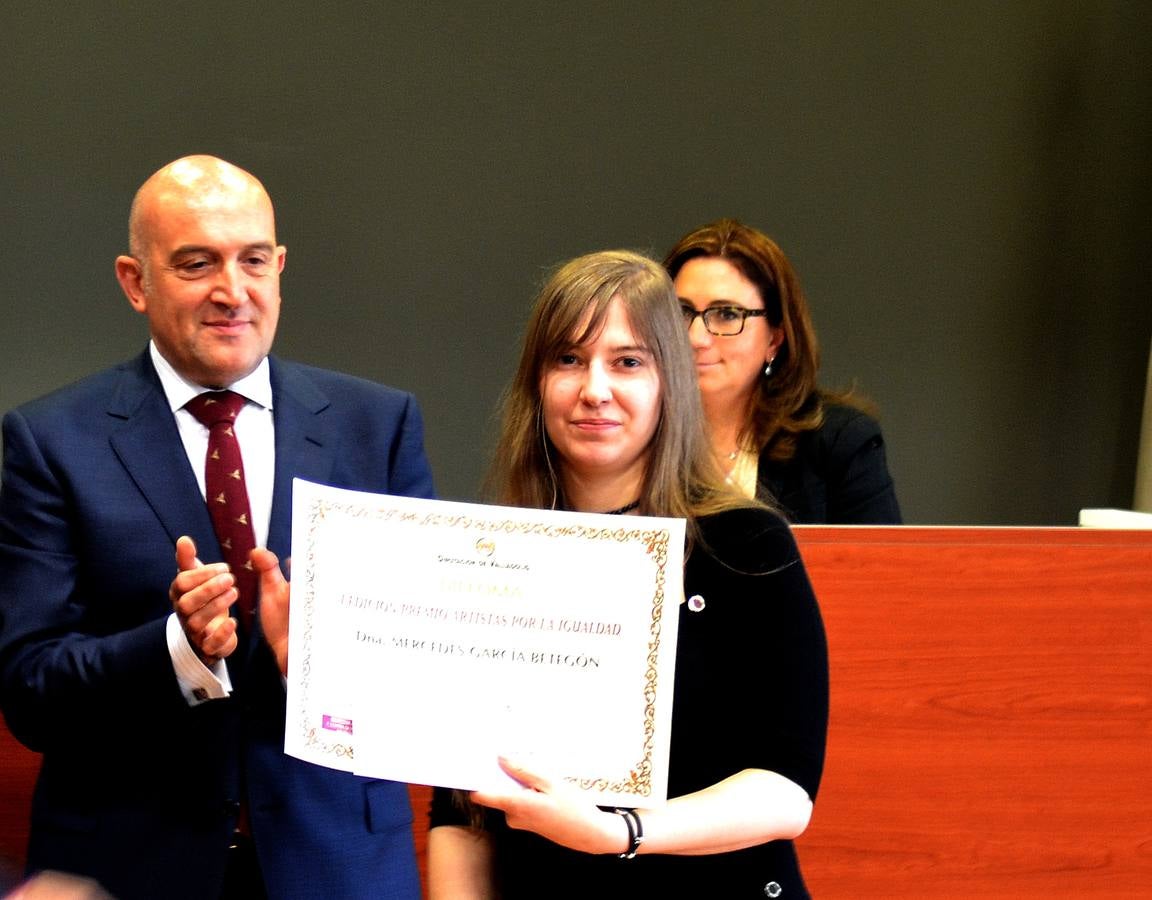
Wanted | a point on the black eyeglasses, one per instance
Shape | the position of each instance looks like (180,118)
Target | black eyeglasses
(722,321)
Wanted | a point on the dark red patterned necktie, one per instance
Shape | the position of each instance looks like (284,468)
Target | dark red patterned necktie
(225,491)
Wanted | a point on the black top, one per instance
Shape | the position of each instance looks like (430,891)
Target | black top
(838,476)
(751,691)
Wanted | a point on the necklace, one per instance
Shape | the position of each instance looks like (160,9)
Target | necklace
(627,507)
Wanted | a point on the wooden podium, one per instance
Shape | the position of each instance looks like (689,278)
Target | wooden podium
(991,726)
(991,723)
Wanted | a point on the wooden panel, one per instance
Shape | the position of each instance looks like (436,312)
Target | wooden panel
(991,729)
(421,796)
(18,768)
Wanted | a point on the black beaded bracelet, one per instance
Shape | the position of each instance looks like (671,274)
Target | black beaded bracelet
(635,831)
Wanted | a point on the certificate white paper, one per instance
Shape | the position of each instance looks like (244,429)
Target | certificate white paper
(429,637)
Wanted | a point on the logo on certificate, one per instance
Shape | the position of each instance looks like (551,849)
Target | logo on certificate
(336,723)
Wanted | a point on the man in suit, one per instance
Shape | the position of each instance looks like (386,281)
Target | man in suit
(160,716)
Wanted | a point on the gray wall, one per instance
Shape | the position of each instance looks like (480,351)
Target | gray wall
(964,189)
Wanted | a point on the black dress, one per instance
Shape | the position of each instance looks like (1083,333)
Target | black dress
(838,476)
(751,692)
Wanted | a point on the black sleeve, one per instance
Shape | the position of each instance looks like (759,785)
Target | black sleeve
(860,488)
(755,682)
(446,809)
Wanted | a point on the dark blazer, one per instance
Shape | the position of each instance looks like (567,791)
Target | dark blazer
(839,475)
(138,789)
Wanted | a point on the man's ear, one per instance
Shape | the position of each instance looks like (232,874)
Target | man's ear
(130,274)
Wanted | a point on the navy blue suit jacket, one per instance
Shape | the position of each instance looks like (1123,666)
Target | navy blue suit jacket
(137,788)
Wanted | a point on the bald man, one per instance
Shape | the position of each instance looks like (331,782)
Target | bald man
(160,717)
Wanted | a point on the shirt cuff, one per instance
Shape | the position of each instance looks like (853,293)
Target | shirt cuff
(198,683)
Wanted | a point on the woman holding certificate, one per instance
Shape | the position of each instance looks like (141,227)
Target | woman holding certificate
(604,416)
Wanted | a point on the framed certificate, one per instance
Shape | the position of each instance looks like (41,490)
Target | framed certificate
(429,637)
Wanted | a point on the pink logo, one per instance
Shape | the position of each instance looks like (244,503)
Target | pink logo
(335,723)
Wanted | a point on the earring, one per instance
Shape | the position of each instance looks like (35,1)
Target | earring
(768,367)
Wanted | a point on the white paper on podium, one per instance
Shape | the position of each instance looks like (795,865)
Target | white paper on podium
(429,637)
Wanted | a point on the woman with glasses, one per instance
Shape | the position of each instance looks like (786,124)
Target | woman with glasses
(603,416)
(776,434)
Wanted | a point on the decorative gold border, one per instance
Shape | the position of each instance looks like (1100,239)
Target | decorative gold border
(638,781)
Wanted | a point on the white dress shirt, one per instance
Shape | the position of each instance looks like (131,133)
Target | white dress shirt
(254,430)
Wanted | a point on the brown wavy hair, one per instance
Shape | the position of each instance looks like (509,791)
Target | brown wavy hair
(790,402)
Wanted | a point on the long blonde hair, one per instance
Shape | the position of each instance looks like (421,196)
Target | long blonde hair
(682,479)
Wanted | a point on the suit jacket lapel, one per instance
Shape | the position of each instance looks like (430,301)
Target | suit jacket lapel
(303,448)
(149,447)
